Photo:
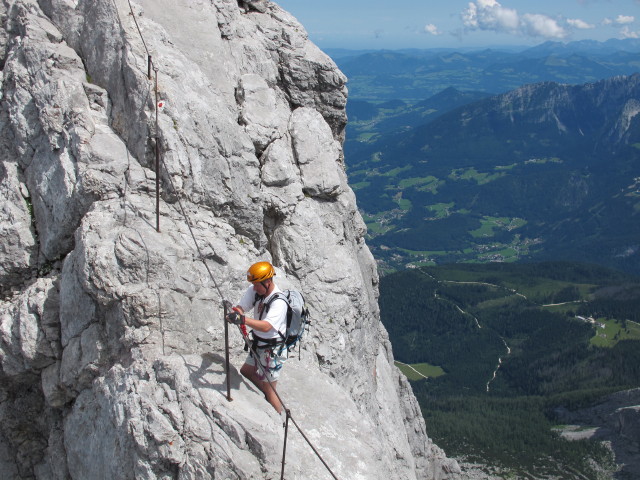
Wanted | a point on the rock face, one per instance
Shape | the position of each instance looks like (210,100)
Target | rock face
(615,420)
(111,332)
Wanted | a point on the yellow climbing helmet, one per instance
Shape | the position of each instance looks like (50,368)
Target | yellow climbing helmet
(259,272)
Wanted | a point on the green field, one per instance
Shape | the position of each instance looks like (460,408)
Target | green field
(472,174)
(417,181)
(418,371)
(610,332)
(440,210)
(536,288)
(490,224)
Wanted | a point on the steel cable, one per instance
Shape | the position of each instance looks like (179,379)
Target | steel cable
(215,284)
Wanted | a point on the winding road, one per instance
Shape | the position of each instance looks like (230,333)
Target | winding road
(407,365)
(495,372)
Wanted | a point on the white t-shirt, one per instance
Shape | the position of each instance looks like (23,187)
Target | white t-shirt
(276,316)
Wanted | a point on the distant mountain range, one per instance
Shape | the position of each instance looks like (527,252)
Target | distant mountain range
(612,45)
(579,124)
(588,47)
(495,157)
(414,75)
(544,171)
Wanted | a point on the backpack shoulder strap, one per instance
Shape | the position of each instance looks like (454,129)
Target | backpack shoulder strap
(275,296)
(256,299)
(282,296)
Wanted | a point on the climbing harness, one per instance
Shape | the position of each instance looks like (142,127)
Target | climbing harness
(268,354)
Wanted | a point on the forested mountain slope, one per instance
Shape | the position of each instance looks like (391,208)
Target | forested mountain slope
(511,350)
(545,171)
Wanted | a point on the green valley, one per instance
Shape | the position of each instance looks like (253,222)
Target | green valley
(471,162)
(514,342)
(484,178)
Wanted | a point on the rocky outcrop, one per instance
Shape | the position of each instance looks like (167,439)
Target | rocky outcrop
(601,114)
(616,421)
(111,332)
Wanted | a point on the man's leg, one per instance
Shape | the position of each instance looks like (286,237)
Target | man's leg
(250,372)
(269,390)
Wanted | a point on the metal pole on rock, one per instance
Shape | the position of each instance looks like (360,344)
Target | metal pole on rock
(226,350)
(157,157)
(284,449)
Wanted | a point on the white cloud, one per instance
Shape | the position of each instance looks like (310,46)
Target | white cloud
(626,32)
(491,15)
(581,24)
(625,19)
(537,25)
(432,29)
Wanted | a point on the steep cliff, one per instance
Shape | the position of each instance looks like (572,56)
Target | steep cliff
(111,332)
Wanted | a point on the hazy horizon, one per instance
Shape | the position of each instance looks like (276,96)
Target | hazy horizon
(380,24)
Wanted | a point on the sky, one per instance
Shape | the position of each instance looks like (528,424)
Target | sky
(394,24)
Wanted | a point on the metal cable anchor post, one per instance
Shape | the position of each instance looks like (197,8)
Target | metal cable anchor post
(226,307)
(284,448)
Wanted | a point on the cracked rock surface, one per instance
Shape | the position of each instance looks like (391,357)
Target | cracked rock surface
(111,333)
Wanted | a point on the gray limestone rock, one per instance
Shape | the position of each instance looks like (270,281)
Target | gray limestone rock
(18,251)
(111,328)
(29,330)
(616,421)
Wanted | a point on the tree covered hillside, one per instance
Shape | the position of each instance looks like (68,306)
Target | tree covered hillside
(513,342)
(547,171)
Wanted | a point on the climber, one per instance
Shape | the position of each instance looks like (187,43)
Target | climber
(266,326)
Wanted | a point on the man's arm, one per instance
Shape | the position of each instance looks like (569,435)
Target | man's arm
(259,325)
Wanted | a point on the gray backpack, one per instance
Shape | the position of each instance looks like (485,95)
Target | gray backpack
(297,315)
